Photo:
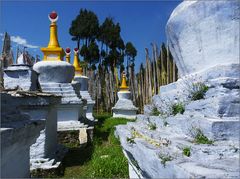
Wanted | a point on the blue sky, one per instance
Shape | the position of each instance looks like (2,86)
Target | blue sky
(142,22)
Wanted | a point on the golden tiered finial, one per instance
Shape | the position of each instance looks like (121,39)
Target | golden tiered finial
(124,86)
(68,51)
(53,51)
(78,68)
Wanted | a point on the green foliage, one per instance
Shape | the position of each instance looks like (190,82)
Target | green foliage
(131,53)
(165,158)
(109,35)
(200,138)
(103,158)
(130,50)
(152,126)
(130,140)
(178,108)
(187,151)
(198,91)
(84,26)
(90,53)
(102,116)
(155,112)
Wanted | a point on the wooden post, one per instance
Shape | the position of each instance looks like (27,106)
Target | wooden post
(168,66)
(174,71)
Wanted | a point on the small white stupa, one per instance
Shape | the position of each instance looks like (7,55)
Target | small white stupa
(83,80)
(124,106)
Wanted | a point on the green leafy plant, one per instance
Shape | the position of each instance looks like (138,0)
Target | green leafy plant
(130,140)
(178,108)
(155,112)
(187,151)
(200,138)
(198,91)
(152,126)
(165,158)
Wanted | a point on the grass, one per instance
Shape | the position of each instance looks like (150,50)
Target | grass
(200,138)
(101,159)
(155,112)
(187,151)
(165,158)
(130,140)
(178,108)
(152,126)
(199,91)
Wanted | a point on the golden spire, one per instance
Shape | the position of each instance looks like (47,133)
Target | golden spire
(53,39)
(124,86)
(78,68)
(53,51)
(68,51)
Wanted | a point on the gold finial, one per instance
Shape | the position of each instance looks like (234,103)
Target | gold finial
(78,68)
(124,86)
(53,51)
(53,39)
(68,51)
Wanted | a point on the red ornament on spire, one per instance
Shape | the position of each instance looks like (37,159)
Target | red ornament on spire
(76,50)
(53,16)
(68,50)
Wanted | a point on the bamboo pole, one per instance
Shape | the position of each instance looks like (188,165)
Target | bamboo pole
(168,66)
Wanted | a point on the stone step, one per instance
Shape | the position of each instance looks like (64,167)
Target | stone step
(56,85)
(61,92)
(88,98)
(57,88)
(65,95)
(213,128)
(71,100)
(200,163)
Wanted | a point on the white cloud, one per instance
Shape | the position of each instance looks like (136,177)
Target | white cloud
(1,34)
(21,41)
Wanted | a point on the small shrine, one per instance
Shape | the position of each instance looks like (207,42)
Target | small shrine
(83,80)
(124,106)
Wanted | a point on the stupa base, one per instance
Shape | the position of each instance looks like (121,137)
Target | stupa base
(123,113)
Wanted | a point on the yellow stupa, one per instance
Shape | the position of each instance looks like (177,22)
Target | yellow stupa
(68,58)
(53,51)
(124,86)
(68,51)
(76,64)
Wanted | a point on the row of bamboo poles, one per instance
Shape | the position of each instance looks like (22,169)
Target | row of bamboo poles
(159,70)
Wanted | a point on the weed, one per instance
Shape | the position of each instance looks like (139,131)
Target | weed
(165,158)
(199,137)
(178,108)
(152,126)
(187,151)
(198,91)
(130,140)
(155,112)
